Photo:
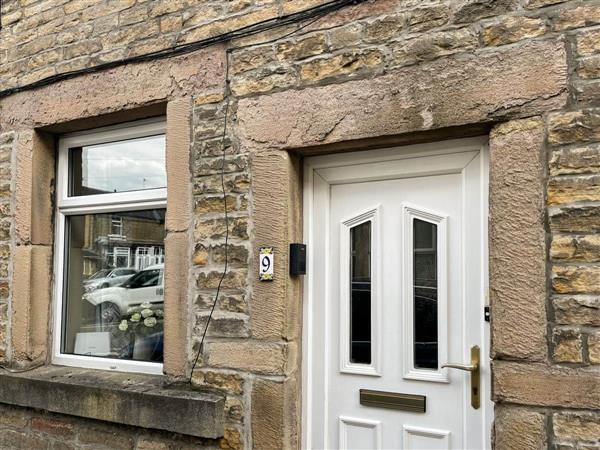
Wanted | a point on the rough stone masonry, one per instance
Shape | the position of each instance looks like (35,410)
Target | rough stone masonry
(524,72)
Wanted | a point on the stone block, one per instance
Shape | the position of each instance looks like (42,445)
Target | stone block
(427,17)
(215,228)
(234,279)
(575,219)
(129,399)
(274,414)
(594,348)
(532,4)
(576,279)
(574,127)
(517,240)
(384,28)
(227,382)
(513,29)
(578,17)
(589,67)
(344,64)
(176,304)
(433,45)
(567,345)
(303,48)
(266,358)
(543,385)
(468,11)
(519,429)
(585,248)
(576,426)
(577,310)
(585,188)
(178,147)
(578,160)
(588,42)
(491,84)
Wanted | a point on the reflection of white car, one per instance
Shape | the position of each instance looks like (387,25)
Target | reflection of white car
(146,286)
(107,278)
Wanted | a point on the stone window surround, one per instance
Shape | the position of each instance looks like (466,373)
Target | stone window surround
(34,214)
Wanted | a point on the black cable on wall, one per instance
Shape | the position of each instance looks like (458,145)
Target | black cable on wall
(249,30)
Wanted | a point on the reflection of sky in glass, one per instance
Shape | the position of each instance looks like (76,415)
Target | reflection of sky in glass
(130,165)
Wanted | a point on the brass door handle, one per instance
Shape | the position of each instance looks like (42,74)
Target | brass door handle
(475,373)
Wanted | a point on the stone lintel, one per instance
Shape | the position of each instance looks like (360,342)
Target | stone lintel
(487,86)
(124,398)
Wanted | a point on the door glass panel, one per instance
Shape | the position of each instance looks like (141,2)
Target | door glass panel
(360,292)
(113,303)
(425,294)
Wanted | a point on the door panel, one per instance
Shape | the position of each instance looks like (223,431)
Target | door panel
(396,288)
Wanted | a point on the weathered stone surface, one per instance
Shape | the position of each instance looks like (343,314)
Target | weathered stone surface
(579,160)
(479,87)
(574,127)
(513,29)
(576,279)
(577,310)
(122,398)
(594,347)
(433,45)
(574,189)
(227,382)
(576,248)
(576,426)
(472,10)
(110,91)
(531,4)
(588,43)
(519,429)
(567,345)
(580,16)
(539,384)
(274,409)
(517,240)
(258,357)
(427,17)
(589,68)
(575,219)
(344,64)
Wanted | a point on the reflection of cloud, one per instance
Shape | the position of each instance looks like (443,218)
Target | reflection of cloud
(125,166)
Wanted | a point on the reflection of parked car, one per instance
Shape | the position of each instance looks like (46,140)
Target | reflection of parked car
(107,278)
(145,286)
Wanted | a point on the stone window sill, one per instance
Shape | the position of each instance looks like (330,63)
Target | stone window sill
(131,399)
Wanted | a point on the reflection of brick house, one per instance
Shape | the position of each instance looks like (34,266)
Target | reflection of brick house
(130,239)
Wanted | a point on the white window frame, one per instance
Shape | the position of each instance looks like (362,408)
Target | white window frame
(94,204)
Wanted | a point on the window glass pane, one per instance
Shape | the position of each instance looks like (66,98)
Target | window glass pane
(360,289)
(113,302)
(131,165)
(425,294)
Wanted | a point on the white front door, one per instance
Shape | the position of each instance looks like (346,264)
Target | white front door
(396,288)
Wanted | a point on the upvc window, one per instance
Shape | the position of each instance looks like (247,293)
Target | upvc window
(110,231)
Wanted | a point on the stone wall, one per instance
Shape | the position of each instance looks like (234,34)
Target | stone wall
(528,69)
(6,151)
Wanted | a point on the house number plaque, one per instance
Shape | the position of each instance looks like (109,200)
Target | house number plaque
(266,260)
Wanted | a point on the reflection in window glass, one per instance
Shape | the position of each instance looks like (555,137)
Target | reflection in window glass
(131,165)
(425,294)
(113,304)
(360,291)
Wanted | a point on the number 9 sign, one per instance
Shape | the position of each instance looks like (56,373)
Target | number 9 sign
(265,264)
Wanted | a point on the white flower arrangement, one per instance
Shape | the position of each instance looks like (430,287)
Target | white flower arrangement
(143,320)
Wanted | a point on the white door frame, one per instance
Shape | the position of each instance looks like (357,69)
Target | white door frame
(320,173)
